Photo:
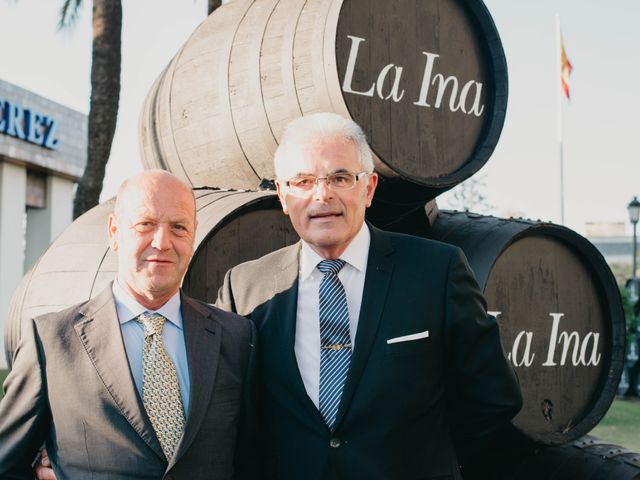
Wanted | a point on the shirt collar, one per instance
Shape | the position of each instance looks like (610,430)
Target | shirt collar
(355,254)
(128,307)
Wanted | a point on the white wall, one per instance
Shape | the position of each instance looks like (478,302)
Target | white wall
(25,234)
(13,191)
(45,224)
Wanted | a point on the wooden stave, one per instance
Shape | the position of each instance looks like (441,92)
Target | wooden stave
(216,123)
(327,97)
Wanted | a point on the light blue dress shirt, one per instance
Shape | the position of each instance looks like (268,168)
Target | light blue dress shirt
(172,336)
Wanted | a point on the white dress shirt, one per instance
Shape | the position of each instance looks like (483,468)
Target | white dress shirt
(128,310)
(352,275)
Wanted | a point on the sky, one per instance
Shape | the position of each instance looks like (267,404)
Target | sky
(601,124)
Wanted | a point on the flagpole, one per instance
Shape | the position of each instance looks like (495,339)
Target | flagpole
(559,96)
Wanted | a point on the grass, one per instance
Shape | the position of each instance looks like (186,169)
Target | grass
(621,424)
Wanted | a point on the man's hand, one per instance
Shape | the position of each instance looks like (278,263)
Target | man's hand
(42,469)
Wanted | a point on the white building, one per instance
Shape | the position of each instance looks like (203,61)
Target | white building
(43,152)
(614,244)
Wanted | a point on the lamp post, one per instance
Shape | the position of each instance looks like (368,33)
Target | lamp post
(633,362)
(634,215)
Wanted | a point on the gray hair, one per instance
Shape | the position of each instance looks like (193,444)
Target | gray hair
(303,132)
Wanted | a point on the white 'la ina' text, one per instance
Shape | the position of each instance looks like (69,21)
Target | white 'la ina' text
(562,349)
(391,75)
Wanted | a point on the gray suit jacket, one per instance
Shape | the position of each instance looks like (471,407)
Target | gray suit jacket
(71,386)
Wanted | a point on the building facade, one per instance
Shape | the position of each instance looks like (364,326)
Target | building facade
(43,152)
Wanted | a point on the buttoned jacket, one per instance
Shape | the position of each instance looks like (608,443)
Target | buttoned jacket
(427,370)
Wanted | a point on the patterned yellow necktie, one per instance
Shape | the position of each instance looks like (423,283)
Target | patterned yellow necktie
(160,387)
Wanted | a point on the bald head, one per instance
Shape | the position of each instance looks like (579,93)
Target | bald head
(152,230)
(150,181)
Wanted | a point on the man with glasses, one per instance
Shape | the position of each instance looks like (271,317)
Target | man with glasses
(377,354)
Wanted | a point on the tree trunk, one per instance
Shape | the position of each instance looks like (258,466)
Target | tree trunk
(212,5)
(103,107)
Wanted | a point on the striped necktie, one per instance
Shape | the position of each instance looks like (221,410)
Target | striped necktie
(335,342)
(160,388)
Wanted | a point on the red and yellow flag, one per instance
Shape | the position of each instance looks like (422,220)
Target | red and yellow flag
(565,70)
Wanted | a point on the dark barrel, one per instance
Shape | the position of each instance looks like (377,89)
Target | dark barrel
(233,226)
(426,79)
(560,316)
(587,458)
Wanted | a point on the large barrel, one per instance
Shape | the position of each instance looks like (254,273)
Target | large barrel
(560,317)
(233,227)
(426,79)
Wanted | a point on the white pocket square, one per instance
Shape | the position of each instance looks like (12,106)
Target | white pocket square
(408,338)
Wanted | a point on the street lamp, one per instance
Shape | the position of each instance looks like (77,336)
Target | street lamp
(634,215)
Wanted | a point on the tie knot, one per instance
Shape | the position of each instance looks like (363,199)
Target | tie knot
(153,323)
(331,266)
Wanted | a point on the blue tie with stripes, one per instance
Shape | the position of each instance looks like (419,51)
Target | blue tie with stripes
(335,342)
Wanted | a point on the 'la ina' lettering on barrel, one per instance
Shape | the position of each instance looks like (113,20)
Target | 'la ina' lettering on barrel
(396,93)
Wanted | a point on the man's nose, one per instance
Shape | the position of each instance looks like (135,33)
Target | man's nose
(161,238)
(321,191)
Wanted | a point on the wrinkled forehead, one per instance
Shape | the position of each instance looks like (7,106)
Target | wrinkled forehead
(153,202)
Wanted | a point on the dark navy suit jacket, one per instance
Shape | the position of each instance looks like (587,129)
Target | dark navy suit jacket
(404,404)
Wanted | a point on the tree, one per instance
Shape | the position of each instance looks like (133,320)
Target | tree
(468,196)
(106,59)
(632,364)
(106,56)
(212,5)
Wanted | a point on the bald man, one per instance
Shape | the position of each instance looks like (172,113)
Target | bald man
(141,381)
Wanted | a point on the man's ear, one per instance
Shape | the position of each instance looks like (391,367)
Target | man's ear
(112,231)
(281,196)
(371,187)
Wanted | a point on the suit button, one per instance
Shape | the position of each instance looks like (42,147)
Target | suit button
(334,442)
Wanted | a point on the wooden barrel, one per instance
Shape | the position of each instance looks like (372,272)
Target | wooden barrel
(560,317)
(73,269)
(587,458)
(233,227)
(427,81)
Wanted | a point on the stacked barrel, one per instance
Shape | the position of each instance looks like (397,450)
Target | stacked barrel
(427,81)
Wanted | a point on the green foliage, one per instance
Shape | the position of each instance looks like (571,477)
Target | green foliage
(621,425)
(621,272)
(627,305)
(3,375)
(470,196)
(69,12)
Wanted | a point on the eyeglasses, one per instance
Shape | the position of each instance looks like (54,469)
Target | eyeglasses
(334,181)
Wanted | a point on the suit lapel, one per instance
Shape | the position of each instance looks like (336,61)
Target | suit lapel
(286,304)
(377,281)
(99,332)
(202,338)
